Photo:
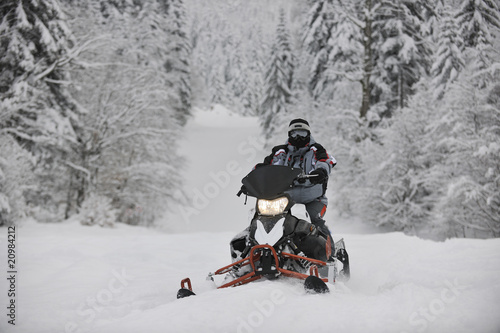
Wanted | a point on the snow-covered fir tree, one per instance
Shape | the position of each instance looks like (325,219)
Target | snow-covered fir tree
(256,69)
(239,81)
(218,89)
(178,59)
(400,53)
(255,73)
(480,32)
(318,43)
(278,92)
(467,136)
(36,49)
(449,60)
(474,16)
(400,191)
(352,55)
(345,58)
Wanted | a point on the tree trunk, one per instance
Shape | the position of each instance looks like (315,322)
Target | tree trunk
(69,201)
(367,61)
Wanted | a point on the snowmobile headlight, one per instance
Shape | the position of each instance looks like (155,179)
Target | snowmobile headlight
(272,207)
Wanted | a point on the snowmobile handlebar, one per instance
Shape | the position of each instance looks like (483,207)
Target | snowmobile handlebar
(306,176)
(303,177)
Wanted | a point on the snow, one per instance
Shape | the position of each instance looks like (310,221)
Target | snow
(221,148)
(74,278)
(4,201)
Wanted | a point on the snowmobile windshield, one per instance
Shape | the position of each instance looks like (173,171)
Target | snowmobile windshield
(270,181)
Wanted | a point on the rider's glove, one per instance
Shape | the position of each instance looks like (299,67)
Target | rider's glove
(321,177)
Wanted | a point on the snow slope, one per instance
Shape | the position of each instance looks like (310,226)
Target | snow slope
(73,278)
(221,148)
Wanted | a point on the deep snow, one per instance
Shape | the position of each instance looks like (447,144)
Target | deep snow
(73,278)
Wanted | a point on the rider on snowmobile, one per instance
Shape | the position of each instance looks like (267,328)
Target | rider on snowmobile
(302,151)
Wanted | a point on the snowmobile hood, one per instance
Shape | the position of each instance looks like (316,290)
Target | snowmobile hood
(270,181)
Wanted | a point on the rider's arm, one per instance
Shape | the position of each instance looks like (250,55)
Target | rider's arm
(323,159)
(277,156)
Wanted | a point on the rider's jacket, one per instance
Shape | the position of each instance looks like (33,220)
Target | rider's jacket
(307,158)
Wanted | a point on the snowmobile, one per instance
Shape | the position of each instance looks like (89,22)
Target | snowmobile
(280,241)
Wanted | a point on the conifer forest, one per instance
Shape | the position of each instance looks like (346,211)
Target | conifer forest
(95,96)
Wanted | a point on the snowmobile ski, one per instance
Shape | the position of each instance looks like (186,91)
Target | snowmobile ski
(314,284)
(185,292)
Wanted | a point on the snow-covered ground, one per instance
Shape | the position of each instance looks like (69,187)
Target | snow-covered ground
(73,278)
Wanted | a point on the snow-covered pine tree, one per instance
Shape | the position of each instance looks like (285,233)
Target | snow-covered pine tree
(239,78)
(365,11)
(36,107)
(400,191)
(178,60)
(218,92)
(467,135)
(448,60)
(166,45)
(345,58)
(318,43)
(354,34)
(431,13)
(379,44)
(255,72)
(474,17)
(479,33)
(400,52)
(35,47)
(210,33)
(278,81)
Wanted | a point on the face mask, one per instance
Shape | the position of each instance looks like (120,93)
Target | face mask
(298,139)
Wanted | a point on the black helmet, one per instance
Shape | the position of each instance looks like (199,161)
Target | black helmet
(299,133)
